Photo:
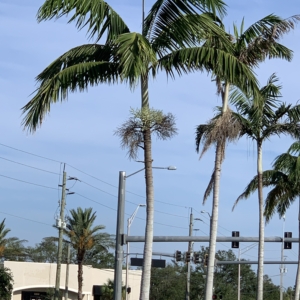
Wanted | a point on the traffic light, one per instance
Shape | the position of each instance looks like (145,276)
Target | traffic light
(188,256)
(214,296)
(178,255)
(205,260)
(221,297)
(197,258)
(235,244)
(287,245)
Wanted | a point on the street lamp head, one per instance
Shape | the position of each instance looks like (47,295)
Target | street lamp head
(142,205)
(198,219)
(172,168)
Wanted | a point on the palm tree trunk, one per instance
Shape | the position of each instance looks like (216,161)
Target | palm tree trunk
(213,225)
(145,281)
(215,205)
(146,274)
(260,269)
(297,283)
(80,276)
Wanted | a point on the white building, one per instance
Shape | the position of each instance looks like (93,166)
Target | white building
(33,280)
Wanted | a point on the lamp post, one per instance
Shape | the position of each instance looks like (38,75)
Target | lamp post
(129,222)
(239,267)
(282,267)
(119,254)
(190,250)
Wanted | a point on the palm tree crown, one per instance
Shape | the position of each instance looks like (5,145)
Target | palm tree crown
(84,236)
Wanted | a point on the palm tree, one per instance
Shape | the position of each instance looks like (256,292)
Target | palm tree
(284,180)
(250,47)
(171,41)
(11,248)
(84,236)
(259,122)
(3,240)
(108,291)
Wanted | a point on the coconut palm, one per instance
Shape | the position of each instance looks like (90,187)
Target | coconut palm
(251,46)
(84,236)
(260,122)
(284,179)
(171,41)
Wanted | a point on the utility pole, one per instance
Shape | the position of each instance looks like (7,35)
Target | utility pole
(60,225)
(67,272)
(190,249)
(119,255)
(282,266)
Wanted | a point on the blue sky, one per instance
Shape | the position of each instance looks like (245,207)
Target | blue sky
(80,133)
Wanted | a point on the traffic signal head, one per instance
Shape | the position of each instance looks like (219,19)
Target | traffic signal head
(214,296)
(287,245)
(235,244)
(188,256)
(197,258)
(205,260)
(178,255)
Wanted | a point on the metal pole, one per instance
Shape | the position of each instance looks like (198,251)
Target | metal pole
(119,232)
(282,266)
(67,272)
(60,236)
(127,261)
(190,245)
(239,276)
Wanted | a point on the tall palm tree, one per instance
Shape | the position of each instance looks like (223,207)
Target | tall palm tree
(84,236)
(250,47)
(284,179)
(171,41)
(259,122)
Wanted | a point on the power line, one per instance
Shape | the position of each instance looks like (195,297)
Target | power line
(96,202)
(47,187)
(30,153)
(133,203)
(28,166)
(25,218)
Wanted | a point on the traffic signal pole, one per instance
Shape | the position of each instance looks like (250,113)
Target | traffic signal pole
(190,249)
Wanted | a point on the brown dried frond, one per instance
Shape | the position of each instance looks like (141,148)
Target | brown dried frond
(132,131)
(131,136)
(221,129)
(165,127)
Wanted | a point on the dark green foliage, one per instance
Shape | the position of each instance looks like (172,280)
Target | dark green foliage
(6,283)
(170,283)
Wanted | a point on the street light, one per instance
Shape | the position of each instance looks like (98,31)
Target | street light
(119,254)
(129,222)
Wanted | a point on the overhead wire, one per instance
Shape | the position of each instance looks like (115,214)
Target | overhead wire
(15,216)
(30,153)
(27,182)
(39,169)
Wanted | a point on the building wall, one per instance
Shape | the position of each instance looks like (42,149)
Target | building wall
(41,276)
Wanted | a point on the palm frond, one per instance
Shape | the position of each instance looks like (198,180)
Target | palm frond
(164,12)
(209,187)
(136,56)
(96,15)
(220,62)
(269,178)
(79,67)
